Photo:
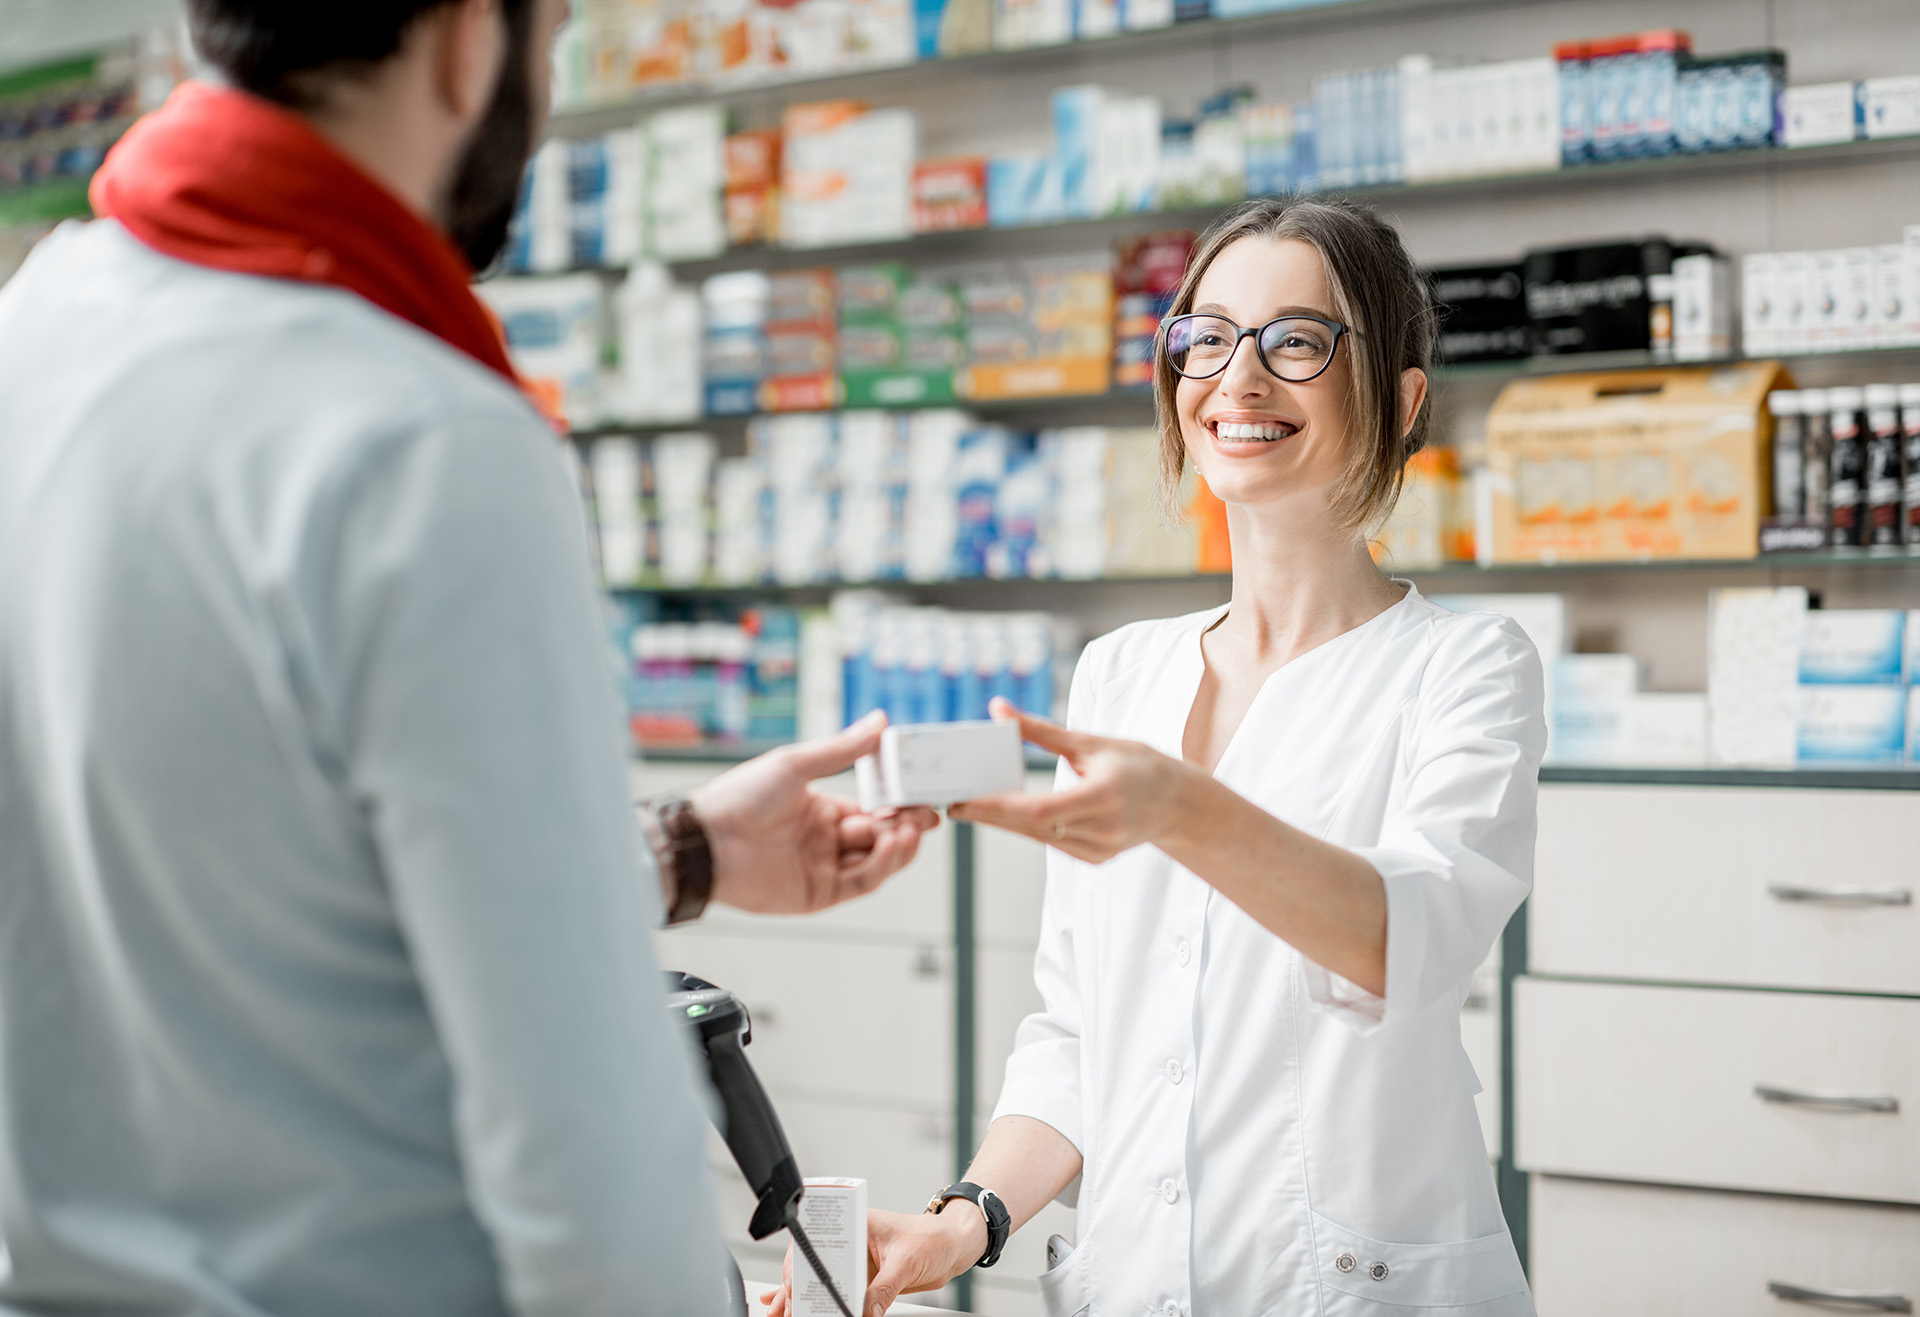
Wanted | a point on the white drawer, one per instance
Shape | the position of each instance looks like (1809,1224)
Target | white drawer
(1609,1250)
(861,1023)
(1642,1083)
(1692,885)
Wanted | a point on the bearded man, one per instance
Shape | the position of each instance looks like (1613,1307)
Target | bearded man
(326,973)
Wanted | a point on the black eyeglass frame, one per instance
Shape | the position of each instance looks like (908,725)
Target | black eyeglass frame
(1340,331)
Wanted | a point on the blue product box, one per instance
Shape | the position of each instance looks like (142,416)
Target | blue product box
(1853,724)
(1913,646)
(1023,189)
(1076,145)
(1605,90)
(1658,75)
(731,397)
(927,15)
(1758,78)
(1306,148)
(1575,109)
(1853,646)
(1690,111)
(1192,11)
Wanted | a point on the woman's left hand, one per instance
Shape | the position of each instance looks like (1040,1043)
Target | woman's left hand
(1128,794)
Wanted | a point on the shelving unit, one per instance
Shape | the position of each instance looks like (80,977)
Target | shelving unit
(1079,56)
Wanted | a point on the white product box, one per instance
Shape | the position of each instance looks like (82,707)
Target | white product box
(1854,319)
(1702,308)
(1666,729)
(1793,288)
(1753,656)
(940,763)
(1913,646)
(1890,107)
(1759,304)
(1896,282)
(1852,724)
(833,1212)
(1595,676)
(1588,730)
(615,467)
(1826,284)
(1853,646)
(1913,729)
(1820,115)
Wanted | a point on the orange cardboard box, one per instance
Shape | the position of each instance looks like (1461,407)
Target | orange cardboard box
(1632,465)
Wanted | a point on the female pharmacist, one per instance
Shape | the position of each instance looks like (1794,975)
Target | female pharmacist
(1285,833)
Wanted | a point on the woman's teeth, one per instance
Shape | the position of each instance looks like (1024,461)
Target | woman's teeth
(1264,433)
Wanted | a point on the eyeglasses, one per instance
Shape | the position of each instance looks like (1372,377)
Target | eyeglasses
(1293,348)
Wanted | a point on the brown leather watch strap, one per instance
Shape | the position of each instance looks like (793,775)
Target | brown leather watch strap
(686,862)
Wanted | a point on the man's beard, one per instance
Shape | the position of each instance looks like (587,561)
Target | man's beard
(486,178)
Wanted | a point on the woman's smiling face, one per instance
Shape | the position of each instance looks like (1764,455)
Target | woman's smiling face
(1253,437)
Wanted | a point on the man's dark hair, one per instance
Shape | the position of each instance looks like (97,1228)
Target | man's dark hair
(283,50)
(287,51)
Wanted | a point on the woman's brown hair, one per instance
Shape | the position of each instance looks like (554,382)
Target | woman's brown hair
(1378,293)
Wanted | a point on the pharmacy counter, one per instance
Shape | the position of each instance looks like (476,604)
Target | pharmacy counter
(901,1309)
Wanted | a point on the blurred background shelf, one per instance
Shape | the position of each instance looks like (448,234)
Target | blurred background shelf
(1064,60)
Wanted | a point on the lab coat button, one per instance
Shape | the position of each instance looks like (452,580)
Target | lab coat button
(1378,1271)
(1172,1309)
(1345,1262)
(1173,1072)
(1169,1191)
(1182,954)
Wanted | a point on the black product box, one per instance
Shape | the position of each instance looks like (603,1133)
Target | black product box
(1482,313)
(1593,298)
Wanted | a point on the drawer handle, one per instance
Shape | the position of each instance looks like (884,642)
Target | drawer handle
(1800,1097)
(1866,1299)
(1843,895)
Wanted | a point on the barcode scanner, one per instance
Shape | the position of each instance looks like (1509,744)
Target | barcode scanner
(746,1118)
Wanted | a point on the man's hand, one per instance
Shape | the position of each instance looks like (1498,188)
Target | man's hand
(781,848)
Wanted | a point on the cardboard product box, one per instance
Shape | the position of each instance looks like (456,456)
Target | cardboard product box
(1821,114)
(1482,311)
(1890,107)
(1853,647)
(1759,304)
(1852,724)
(950,194)
(846,173)
(1593,298)
(1063,344)
(1626,466)
(1702,308)
(1147,274)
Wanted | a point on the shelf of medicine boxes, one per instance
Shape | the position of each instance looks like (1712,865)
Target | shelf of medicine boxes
(955,245)
(880,80)
(1460,575)
(1135,406)
(1839,777)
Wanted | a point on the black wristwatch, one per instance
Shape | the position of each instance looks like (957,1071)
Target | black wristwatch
(680,846)
(999,1220)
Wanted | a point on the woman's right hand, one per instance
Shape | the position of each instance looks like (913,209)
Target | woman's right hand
(906,1255)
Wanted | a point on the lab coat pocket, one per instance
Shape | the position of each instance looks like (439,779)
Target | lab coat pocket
(1358,1275)
(1064,1291)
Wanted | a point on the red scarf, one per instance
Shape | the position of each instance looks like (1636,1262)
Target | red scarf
(224,179)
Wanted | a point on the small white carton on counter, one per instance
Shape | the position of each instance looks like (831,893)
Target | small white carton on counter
(833,1212)
(940,763)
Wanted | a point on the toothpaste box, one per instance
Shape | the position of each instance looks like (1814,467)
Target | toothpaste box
(833,1212)
(1852,724)
(1820,115)
(1890,107)
(1853,646)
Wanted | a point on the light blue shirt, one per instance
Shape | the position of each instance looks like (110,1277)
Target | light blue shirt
(326,973)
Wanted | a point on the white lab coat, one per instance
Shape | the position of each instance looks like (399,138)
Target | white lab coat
(1262,1136)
